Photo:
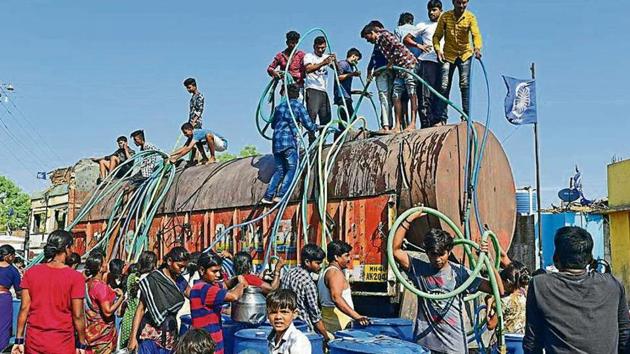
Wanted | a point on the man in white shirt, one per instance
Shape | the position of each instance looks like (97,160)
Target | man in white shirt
(316,82)
(428,68)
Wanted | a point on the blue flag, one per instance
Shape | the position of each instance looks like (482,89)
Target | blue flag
(41,175)
(520,101)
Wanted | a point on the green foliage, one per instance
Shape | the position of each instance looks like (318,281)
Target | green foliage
(11,196)
(226,156)
(249,150)
(246,151)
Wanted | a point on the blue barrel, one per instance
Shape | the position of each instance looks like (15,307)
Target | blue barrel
(353,333)
(398,328)
(302,326)
(16,310)
(376,344)
(254,340)
(230,328)
(526,202)
(513,344)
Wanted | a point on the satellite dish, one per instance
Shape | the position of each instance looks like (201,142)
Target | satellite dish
(569,195)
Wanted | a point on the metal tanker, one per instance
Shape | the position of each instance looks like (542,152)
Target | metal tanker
(372,181)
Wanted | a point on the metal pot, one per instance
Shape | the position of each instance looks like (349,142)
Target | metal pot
(251,307)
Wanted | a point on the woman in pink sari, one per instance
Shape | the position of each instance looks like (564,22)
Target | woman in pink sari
(100,305)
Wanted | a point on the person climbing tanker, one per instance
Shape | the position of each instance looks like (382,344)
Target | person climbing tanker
(284,143)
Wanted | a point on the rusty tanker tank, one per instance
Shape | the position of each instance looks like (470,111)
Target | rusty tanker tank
(372,181)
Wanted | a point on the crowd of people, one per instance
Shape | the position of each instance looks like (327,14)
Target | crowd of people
(105,306)
(98,305)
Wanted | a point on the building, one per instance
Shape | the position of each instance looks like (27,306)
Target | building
(619,216)
(56,207)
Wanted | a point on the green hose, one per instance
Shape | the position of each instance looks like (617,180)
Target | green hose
(482,261)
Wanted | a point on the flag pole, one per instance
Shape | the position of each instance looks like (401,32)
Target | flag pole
(538,190)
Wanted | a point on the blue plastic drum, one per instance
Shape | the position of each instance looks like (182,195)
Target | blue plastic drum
(230,328)
(398,328)
(376,344)
(254,341)
(353,333)
(513,343)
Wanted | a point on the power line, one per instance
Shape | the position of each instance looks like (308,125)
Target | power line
(12,152)
(37,142)
(17,141)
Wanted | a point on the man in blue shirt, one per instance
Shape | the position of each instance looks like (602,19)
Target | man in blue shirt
(198,138)
(343,95)
(285,133)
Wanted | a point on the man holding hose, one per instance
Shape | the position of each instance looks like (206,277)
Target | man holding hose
(439,323)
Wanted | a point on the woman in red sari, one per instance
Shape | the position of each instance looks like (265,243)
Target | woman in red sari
(100,305)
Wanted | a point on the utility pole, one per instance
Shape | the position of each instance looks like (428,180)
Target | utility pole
(538,190)
(27,237)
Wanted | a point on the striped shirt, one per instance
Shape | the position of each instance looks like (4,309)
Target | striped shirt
(299,280)
(206,301)
(456,33)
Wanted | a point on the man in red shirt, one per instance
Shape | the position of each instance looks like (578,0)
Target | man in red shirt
(279,64)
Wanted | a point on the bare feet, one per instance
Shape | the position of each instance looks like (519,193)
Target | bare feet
(208,161)
(410,128)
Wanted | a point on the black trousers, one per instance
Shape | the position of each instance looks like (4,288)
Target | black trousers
(318,106)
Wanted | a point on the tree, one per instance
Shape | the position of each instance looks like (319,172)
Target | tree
(246,151)
(15,205)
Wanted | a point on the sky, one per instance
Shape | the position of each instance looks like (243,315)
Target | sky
(85,72)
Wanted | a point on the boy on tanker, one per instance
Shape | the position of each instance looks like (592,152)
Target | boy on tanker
(197,138)
(439,323)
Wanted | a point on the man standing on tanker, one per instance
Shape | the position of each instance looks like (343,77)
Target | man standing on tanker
(456,27)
